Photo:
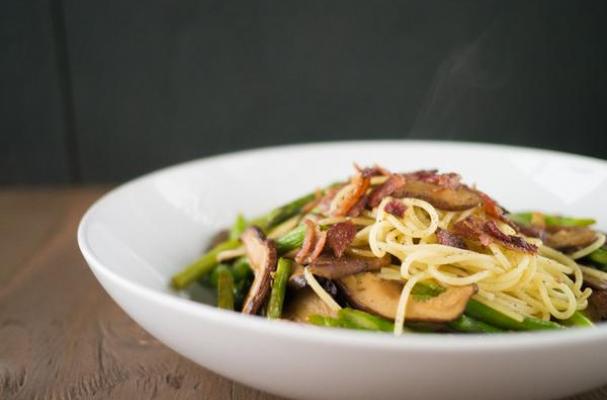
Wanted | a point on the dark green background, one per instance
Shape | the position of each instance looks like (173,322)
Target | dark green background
(104,91)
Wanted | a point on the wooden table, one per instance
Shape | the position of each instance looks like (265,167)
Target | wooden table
(62,337)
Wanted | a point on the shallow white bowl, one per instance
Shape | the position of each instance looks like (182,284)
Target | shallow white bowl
(139,234)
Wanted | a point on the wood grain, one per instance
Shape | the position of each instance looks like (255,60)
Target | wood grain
(62,337)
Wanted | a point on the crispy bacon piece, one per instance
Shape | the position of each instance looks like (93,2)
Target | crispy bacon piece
(360,183)
(358,207)
(391,185)
(447,238)
(487,232)
(308,242)
(375,170)
(313,244)
(396,208)
(511,241)
(325,202)
(449,180)
(339,237)
(321,240)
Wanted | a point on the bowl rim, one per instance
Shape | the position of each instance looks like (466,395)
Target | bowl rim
(411,342)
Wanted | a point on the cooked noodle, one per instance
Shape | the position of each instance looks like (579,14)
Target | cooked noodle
(519,285)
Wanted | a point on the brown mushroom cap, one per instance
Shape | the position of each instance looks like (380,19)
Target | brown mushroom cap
(330,267)
(262,257)
(569,238)
(305,303)
(370,293)
(443,198)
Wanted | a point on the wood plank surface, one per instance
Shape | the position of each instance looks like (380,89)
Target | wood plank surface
(62,337)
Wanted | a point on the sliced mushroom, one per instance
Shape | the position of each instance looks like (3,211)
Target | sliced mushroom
(297,279)
(370,293)
(443,198)
(305,303)
(262,257)
(569,238)
(334,268)
(330,267)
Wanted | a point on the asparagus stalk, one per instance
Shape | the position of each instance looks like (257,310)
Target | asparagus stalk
(599,258)
(321,320)
(486,314)
(282,213)
(202,266)
(279,287)
(239,225)
(552,220)
(205,264)
(291,240)
(578,319)
(225,289)
(361,320)
(471,325)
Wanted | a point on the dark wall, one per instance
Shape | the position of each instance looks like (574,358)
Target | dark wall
(104,91)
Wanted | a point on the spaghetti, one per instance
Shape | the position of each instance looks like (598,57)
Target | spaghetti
(519,285)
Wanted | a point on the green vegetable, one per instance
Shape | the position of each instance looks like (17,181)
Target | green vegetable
(471,325)
(321,320)
(365,321)
(426,290)
(225,289)
(240,224)
(214,274)
(280,214)
(484,313)
(578,319)
(291,240)
(202,266)
(525,218)
(557,220)
(241,269)
(599,257)
(279,287)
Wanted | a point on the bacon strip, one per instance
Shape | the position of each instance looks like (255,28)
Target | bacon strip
(339,237)
(318,246)
(313,244)
(447,238)
(396,208)
(449,180)
(360,183)
(391,185)
(308,242)
(487,232)
(358,207)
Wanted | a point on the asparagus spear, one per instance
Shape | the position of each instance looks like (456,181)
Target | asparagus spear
(239,225)
(484,313)
(225,289)
(291,240)
(279,287)
(321,320)
(362,320)
(471,325)
(599,258)
(205,264)
(552,220)
(282,213)
(578,319)
(202,266)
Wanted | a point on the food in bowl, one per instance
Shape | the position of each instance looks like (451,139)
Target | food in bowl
(408,252)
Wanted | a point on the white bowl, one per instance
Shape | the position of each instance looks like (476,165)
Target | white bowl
(139,234)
